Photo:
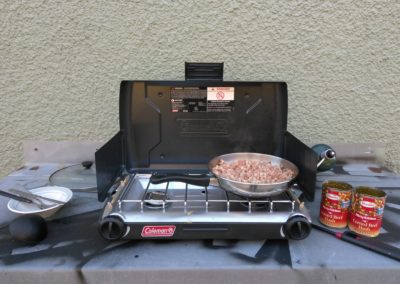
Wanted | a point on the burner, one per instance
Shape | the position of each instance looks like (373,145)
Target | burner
(156,200)
(255,205)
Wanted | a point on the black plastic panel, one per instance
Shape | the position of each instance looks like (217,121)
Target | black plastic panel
(204,71)
(306,160)
(157,137)
(109,164)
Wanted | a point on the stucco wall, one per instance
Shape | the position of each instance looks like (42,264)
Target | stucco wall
(62,62)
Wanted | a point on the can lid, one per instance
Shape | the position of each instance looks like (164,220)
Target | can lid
(338,185)
(370,191)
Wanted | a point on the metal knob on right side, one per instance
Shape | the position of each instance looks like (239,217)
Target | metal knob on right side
(297,228)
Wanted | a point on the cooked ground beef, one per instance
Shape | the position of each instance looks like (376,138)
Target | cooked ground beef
(256,172)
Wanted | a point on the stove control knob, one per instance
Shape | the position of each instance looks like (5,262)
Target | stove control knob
(112,228)
(297,228)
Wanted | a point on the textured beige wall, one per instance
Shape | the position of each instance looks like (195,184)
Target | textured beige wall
(62,62)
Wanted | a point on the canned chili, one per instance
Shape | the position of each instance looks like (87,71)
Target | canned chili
(366,211)
(335,203)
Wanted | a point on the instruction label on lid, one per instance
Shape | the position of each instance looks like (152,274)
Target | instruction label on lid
(202,99)
(188,99)
(220,99)
(220,93)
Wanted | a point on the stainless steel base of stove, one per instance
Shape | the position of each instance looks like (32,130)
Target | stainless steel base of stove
(141,210)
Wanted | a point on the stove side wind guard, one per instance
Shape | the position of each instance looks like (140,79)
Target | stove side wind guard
(305,159)
(109,165)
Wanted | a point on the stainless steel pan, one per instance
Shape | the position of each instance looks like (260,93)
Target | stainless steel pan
(240,188)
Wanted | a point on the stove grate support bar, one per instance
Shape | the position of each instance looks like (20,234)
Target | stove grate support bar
(288,199)
(143,196)
(165,196)
(227,202)
(185,201)
(206,193)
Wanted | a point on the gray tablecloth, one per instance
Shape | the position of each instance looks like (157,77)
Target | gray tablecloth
(74,252)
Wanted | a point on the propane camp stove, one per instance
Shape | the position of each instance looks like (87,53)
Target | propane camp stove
(177,210)
(177,127)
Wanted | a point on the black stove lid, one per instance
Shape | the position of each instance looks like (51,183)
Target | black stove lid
(186,123)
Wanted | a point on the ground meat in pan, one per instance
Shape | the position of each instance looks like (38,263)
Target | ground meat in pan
(250,171)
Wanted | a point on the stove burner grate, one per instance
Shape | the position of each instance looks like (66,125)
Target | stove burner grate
(179,195)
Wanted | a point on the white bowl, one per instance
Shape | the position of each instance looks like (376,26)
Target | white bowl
(54,192)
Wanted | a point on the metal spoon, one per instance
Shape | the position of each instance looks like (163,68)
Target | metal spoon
(15,197)
(27,194)
(25,199)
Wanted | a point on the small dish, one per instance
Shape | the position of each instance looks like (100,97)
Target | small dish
(55,192)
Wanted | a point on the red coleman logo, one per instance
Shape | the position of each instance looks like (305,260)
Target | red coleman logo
(158,231)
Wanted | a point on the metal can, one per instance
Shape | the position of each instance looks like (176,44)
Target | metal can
(366,211)
(335,204)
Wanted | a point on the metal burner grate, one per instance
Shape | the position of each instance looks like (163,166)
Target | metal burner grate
(184,196)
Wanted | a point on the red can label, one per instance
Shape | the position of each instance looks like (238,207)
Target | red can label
(158,231)
(366,215)
(334,207)
(364,225)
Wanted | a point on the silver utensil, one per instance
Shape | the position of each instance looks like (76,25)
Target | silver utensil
(31,195)
(15,197)
(26,199)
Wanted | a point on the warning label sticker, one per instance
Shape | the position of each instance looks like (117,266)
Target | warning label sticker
(220,99)
(220,93)
(202,99)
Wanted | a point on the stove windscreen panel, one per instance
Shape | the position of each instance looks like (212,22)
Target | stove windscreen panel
(109,164)
(306,160)
(190,122)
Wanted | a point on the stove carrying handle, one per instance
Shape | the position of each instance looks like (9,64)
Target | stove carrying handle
(199,180)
